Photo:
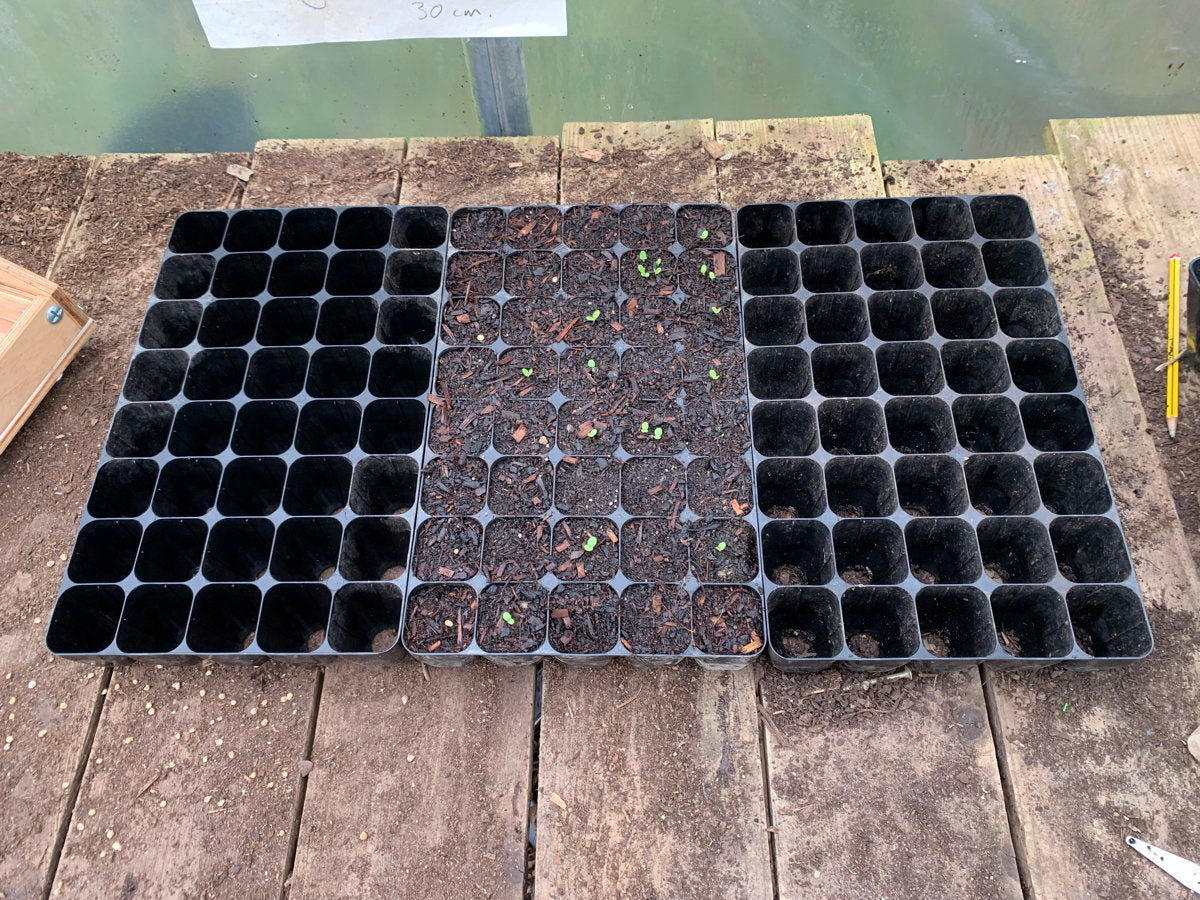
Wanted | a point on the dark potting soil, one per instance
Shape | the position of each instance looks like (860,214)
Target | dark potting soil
(471,321)
(651,271)
(521,485)
(583,618)
(936,642)
(587,485)
(590,226)
(700,225)
(441,618)
(719,486)
(528,372)
(477,229)
(715,427)
(454,486)
(795,643)
(708,274)
(653,372)
(512,618)
(728,620)
(525,426)
(651,321)
(653,427)
(531,321)
(533,227)
(474,273)
(864,645)
(460,430)
(588,372)
(714,320)
(656,618)
(724,550)
(654,550)
(585,549)
(590,273)
(590,427)
(716,370)
(646,225)
(588,321)
(516,549)
(653,486)
(532,273)
(447,549)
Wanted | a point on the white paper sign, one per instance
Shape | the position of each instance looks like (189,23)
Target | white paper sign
(277,23)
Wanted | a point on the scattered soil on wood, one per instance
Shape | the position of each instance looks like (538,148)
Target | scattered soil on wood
(290,174)
(478,171)
(583,618)
(441,618)
(38,196)
(512,618)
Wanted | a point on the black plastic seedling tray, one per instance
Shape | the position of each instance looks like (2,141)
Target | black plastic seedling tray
(526,432)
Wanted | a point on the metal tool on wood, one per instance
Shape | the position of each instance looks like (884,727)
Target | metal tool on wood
(1182,870)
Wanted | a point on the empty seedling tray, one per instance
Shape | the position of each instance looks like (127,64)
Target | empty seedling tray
(843,432)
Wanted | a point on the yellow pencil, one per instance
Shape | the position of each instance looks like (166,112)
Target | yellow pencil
(1173,291)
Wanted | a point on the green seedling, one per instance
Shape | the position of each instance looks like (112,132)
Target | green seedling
(527,372)
(592,364)
(716,310)
(508,617)
(645,427)
(704,234)
(590,544)
(642,255)
(704,268)
(721,547)
(712,276)
(593,432)
(1065,705)
(712,373)
(593,315)
(658,433)
(658,266)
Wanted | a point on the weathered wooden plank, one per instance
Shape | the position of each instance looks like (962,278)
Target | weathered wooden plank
(650,781)
(325,172)
(1091,757)
(190,785)
(432,767)
(797,159)
(454,171)
(909,790)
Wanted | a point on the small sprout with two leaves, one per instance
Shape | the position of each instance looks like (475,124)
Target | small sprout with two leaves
(527,372)
(658,433)
(508,617)
(646,271)
(593,432)
(712,276)
(704,235)
(703,268)
(590,544)
(716,310)
(721,547)
(592,364)
(713,374)
(593,315)
(645,427)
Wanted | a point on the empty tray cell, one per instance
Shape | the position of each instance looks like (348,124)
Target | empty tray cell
(779,373)
(919,425)
(104,551)
(187,487)
(407,320)
(264,427)
(830,269)
(900,316)
(392,426)
(956,622)
(521,485)
(366,618)
(294,618)
(883,220)
(909,368)
(853,427)
(975,367)
(298,274)
(276,372)
(860,486)
(651,486)
(253,229)
(1001,484)
(963,314)
(656,619)
(728,620)
(85,619)
(844,370)
(363,228)
(384,485)
(952,264)
(1109,621)
(375,548)
(198,232)
(585,549)
(869,551)
(791,488)
(836,318)
(347,320)
(413,272)
(1055,423)
(1031,621)
(1015,550)
(1002,216)
(201,429)
(654,550)
(1027,312)
(328,426)
(787,428)
(287,322)
(306,549)
(774,321)
(400,372)
(252,487)
(517,549)
(171,550)
(583,618)
(419,227)
(931,486)
(184,277)
(338,371)
(241,275)
(591,485)
(238,550)
(154,619)
(942,551)
(891,267)
(590,227)
(766,225)
(224,617)
(880,623)
(1089,548)
(823,222)
(359,272)
(1014,263)
(155,375)
(308,229)
(229,323)
(942,219)
(804,623)
(765,272)
(122,488)
(988,424)
(1041,366)
(317,486)
(1072,484)
(216,374)
(170,324)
